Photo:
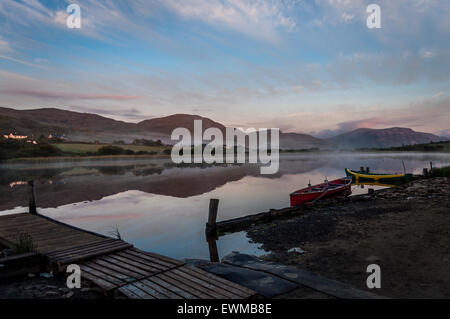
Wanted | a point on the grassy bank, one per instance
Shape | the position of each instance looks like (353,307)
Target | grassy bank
(21,150)
(429,147)
(81,148)
(441,172)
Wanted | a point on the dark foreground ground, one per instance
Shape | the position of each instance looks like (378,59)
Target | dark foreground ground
(405,230)
(37,287)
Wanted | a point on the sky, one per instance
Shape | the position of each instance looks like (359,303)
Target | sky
(307,66)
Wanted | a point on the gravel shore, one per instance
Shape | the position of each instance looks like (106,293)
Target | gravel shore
(405,230)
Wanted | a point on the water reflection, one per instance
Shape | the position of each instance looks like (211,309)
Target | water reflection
(161,207)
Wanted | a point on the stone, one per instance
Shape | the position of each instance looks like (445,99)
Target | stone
(69,295)
(372,259)
(296,250)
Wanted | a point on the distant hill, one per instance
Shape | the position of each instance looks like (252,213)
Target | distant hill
(301,141)
(166,125)
(382,138)
(92,127)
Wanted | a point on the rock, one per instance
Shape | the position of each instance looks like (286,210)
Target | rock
(51,294)
(372,259)
(296,250)
(69,295)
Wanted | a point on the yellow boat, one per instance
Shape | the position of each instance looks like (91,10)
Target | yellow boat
(372,177)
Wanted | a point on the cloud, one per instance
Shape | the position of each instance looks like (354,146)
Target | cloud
(66,95)
(21,61)
(5,47)
(261,19)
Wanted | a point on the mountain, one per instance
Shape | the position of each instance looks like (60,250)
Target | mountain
(92,127)
(166,125)
(382,138)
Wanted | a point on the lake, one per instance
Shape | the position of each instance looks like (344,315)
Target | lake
(161,207)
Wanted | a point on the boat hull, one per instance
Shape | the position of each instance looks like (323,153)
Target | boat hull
(309,195)
(380,178)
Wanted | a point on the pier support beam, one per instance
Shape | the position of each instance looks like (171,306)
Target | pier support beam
(212,217)
(31,198)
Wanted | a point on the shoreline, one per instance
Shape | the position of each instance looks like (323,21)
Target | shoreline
(405,229)
(55,159)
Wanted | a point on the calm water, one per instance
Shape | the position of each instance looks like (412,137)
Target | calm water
(163,208)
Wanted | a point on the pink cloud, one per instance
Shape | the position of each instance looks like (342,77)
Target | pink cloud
(66,95)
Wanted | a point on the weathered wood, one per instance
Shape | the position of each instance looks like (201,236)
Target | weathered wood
(213,252)
(242,223)
(32,198)
(211,229)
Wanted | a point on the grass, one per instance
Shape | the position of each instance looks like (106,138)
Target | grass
(81,148)
(429,147)
(23,243)
(441,172)
(115,233)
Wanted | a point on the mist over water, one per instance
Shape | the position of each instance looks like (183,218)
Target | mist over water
(162,207)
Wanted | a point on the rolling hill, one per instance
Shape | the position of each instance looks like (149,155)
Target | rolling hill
(86,127)
(382,138)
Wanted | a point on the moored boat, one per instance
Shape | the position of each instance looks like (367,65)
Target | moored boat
(361,176)
(337,187)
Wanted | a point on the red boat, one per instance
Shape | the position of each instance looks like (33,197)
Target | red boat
(338,187)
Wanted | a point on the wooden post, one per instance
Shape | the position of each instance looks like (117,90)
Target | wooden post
(212,216)
(31,198)
(367,169)
(213,252)
(431,167)
(425,172)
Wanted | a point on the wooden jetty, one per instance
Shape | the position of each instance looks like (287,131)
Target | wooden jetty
(116,266)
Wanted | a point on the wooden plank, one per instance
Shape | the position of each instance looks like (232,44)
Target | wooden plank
(149,282)
(133,292)
(101,240)
(100,277)
(151,291)
(186,291)
(159,257)
(143,261)
(134,263)
(83,256)
(120,269)
(151,259)
(213,293)
(86,248)
(110,259)
(98,280)
(121,279)
(169,285)
(204,283)
(238,289)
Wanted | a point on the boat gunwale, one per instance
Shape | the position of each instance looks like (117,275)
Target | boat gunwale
(348,183)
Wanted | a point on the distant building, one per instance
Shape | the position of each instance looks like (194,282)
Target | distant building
(57,136)
(12,136)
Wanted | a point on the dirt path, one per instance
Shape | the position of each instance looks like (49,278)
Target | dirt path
(405,230)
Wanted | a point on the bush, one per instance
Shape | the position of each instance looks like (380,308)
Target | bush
(110,150)
(441,172)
